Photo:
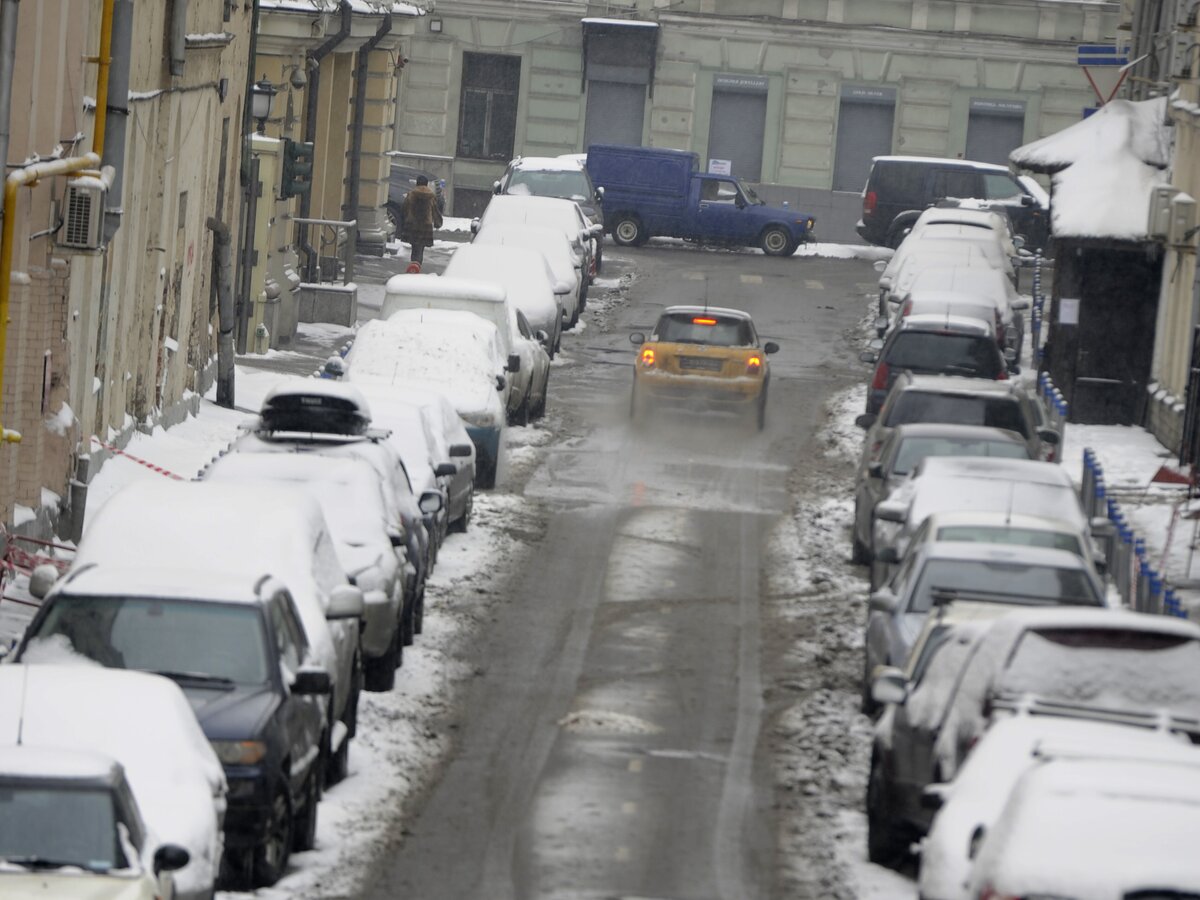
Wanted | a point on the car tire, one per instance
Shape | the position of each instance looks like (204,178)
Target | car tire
(418,621)
(271,856)
(304,825)
(520,415)
(408,619)
(539,411)
(379,675)
(868,705)
(460,524)
(628,231)
(886,845)
(761,412)
(777,241)
(599,253)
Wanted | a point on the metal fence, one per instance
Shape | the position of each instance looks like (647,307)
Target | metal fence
(1141,586)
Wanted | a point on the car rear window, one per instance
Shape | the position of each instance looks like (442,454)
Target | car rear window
(913,450)
(947,354)
(958,409)
(1000,582)
(1025,537)
(697,328)
(1113,668)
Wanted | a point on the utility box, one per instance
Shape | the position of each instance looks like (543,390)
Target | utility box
(1181,228)
(1159,220)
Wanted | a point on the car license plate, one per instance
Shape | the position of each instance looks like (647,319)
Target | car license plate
(701,363)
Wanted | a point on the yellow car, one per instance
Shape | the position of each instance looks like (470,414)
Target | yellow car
(702,356)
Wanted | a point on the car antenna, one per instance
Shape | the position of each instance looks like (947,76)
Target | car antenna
(1012,491)
(24,692)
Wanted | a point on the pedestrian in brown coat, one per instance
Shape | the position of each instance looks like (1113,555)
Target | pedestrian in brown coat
(421,216)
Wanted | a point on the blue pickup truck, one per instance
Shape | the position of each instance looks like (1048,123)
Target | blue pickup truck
(651,192)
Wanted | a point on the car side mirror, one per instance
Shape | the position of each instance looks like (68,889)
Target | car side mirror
(475,226)
(770,347)
(599,193)
(881,325)
(888,555)
(596,230)
(866,420)
(312,681)
(976,842)
(431,502)
(501,383)
(541,336)
(875,470)
(345,602)
(514,363)
(887,512)
(889,686)
(562,287)
(495,187)
(396,539)
(1049,436)
(1020,305)
(879,265)
(637,338)
(445,470)
(170,858)
(42,579)
(869,356)
(457,450)
(585,235)
(335,367)
(1027,200)
(934,796)
(883,601)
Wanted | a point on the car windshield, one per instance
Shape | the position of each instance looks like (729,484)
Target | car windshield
(947,354)
(570,184)
(704,328)
(187,639)
(750,194)
(1008,534)
(1001,582)
(1109,667)
(951,409)
(51,827)
(913,450)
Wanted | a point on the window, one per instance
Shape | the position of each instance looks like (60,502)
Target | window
(718,191)
(487,122)
(955,183)
(1000,187)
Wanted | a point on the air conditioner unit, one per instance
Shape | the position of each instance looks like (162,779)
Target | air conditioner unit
(1159,220)
(83,217)
(1182,227)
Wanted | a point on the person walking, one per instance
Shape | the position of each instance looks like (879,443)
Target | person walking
(421,217)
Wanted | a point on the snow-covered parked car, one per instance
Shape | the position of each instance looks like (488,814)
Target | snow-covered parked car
(252,530)
(372,554)
(527,279)
(565,177)
(72,829)
(969,805)
(551,212)
(1099,829)
(235,645)
(527,363)
(555,248)
(146,724)
(451,351)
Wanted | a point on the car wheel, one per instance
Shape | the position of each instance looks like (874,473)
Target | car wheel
(628,231)
(396,217)
(761,412)
(460,524)
(271,856)
(868,705)
(599,253)
(776,241)
(860,553)
(304,826)
(237,870)
(418,623)
(897,235)
(885,838)
(380,674)
(539,411)
(408,624)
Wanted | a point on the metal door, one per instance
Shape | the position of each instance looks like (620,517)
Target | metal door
(735,131)
(994,129)
(864,131)
(615,112)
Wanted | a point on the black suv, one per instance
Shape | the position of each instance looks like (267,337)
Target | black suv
(239,652)
(899,188)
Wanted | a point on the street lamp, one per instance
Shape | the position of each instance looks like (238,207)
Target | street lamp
(261,94)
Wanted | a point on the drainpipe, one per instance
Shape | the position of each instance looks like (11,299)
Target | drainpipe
(8,52)
(28,176)
(350,207)
(177,36)
(226,317)
(248,179)
(112,107)
(312,94)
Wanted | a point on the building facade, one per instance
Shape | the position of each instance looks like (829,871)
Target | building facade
(796,95)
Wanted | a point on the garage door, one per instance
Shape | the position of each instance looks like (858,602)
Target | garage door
(866,117)
(739,118)
(615,112)
(994,129)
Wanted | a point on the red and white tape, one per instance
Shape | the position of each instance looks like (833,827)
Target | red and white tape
(141,462)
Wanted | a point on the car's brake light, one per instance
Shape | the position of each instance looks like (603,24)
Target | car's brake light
(754,365)
(1003,374)
(990,893)
(704,321)
(870,198)
(647,356)
(880,381)
(906,308)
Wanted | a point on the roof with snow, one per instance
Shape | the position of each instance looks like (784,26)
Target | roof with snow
(1103,168)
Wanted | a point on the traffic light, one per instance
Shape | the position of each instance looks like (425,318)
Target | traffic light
(297,168)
